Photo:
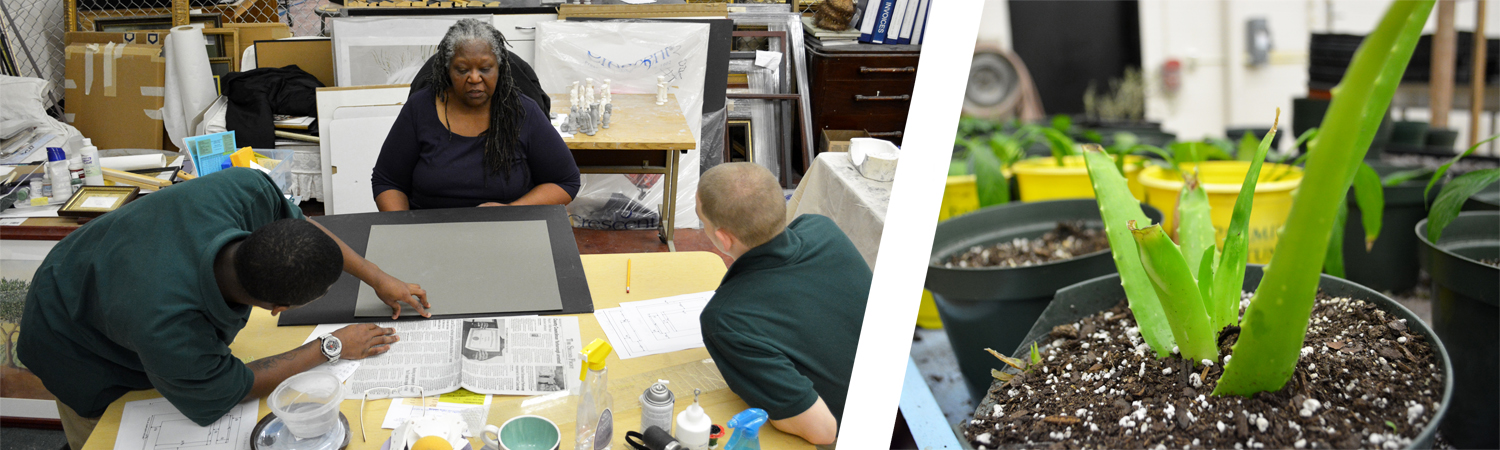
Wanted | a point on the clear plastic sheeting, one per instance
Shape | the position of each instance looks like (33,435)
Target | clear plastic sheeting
(765,129)
(631,54)
(779,18)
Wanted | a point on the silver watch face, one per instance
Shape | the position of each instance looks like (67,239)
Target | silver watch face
(332,346)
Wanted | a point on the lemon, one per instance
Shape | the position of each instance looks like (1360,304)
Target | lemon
(431,443)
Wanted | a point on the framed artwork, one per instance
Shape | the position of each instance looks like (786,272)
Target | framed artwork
(94,201)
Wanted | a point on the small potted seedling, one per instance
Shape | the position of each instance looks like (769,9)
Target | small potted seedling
(1183,365)
(1462,254)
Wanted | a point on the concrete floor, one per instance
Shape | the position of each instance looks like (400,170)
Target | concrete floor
(935,360)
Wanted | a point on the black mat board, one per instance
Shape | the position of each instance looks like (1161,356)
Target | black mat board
(716,77)
(354,230)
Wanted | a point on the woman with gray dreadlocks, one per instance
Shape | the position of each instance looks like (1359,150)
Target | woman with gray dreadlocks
(470,138)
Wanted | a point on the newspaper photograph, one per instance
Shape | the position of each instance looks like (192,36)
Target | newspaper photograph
(520,355)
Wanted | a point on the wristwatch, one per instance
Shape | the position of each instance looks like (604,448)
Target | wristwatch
(332,347)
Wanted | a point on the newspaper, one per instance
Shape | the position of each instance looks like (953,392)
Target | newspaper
(502,355)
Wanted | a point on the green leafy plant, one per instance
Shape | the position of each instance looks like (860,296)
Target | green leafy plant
(1275,323)
(1450,199)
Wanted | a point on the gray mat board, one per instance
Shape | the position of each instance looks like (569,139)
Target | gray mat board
(466,267)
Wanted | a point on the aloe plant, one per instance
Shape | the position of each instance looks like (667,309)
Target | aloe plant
(1275,323)
(1118,208)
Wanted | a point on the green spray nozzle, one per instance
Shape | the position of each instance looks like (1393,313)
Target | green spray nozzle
(746,427)
(594,355)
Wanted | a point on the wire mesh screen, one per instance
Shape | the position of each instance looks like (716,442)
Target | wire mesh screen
(31,31)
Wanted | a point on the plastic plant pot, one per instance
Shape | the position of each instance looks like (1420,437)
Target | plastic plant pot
(1090,297)
(1484,200)
(1409,133)
(1391,264)
(993,307)
(1465,314)
(1441,138)
(1222,180)
(1042,179)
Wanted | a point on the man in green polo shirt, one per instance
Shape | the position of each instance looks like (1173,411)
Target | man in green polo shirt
(783,325)
(151,295)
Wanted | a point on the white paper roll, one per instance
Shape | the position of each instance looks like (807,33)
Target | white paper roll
(134,162)
(189,83)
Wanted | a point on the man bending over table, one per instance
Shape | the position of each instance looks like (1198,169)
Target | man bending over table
(152,294)
(784,323)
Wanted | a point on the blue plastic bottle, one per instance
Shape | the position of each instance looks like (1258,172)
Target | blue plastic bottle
(746,427)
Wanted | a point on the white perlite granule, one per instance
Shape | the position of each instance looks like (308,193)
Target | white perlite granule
(1309,407)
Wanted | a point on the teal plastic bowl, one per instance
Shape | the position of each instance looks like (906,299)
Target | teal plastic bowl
(529,433)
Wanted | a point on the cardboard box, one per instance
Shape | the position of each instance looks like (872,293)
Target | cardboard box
(838,140)
(314,56)
(251,32)
(114,91)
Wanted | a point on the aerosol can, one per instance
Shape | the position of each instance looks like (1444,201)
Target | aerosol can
(596,422)
(657,404)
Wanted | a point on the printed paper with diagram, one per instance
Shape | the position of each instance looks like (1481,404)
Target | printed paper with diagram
(650,327)
(155,424)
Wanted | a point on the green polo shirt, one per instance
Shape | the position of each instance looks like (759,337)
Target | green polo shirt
(784,323)
(129,300)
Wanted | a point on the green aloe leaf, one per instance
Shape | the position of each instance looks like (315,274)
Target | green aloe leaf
(1333,262)
(1206,282)
(1229,279)
(1451,199)
(1178,291)
(989,180)
(1248,144)
(1195,224)
(1275,324)
(1119,208)
(1370,196)
(1402,176)
(1443,169)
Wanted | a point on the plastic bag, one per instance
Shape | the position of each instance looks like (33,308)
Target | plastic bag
(631,55)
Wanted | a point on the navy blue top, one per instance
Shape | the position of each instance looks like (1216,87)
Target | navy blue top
(436,168)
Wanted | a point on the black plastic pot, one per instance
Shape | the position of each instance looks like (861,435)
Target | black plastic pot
(1441,137)
(993,307)
(1410,133)
(1465,314)
(1307,113)
(1391,264)
(1090,297)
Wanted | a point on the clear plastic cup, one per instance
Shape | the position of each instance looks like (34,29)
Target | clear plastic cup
(308,403)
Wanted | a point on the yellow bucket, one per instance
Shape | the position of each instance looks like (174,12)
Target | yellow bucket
(1042,179)
(1222,180)
(960,196)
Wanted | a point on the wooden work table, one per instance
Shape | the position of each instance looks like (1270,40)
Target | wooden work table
(654,275)
(643,137)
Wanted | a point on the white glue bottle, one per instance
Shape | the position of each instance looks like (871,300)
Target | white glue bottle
(596,422)
(93,173)
(693,425)
(656,407)
(57,173)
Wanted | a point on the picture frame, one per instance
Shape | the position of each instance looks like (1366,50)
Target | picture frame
(740,138)
(94,201)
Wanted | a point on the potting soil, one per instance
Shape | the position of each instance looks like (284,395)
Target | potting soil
(1066,241)
(1490,262)
(1365,380)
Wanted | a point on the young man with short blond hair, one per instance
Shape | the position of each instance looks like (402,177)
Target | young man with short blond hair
(784,323)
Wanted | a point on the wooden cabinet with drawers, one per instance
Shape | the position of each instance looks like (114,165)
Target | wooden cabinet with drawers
(861,87)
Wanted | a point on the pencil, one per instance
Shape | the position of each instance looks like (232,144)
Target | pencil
(627,276)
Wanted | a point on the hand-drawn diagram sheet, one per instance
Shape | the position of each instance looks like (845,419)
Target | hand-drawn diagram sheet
(155,424)
(655,326)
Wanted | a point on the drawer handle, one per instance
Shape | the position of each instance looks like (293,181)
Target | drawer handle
(526,28)
(886,134)
(907,69)
(881,98)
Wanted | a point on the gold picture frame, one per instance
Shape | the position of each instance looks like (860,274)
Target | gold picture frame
(93,201)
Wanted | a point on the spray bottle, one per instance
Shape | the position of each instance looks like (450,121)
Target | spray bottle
(693,425)
(596,423)
(746,427)
(657,404)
